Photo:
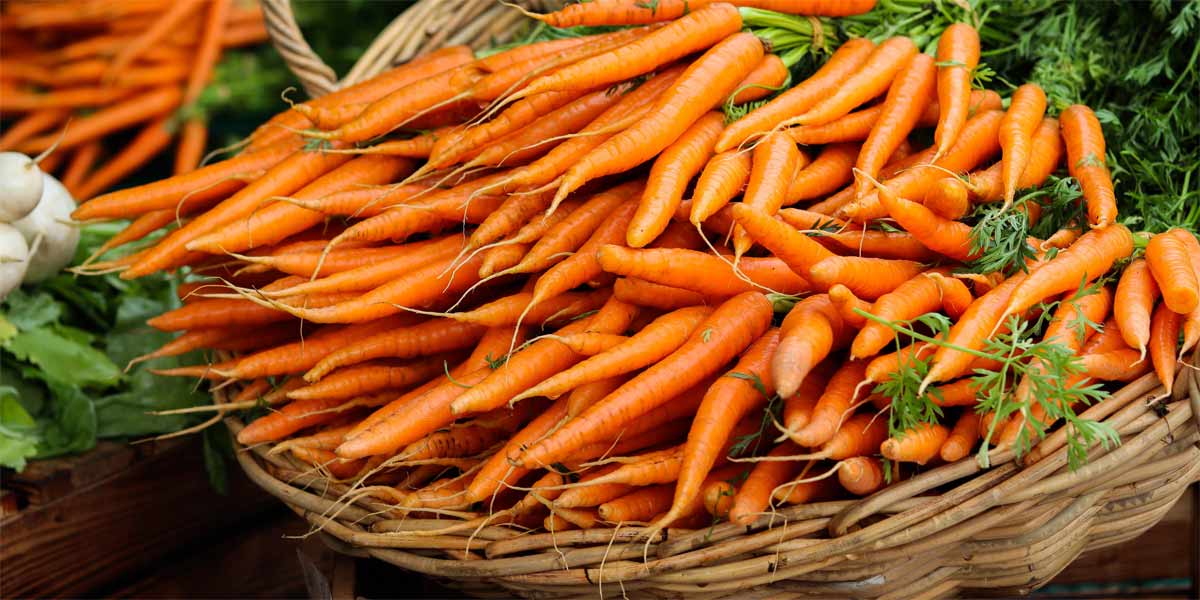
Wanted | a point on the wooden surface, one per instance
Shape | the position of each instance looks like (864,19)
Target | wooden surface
(119,512)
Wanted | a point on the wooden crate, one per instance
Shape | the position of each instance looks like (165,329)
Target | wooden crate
(84,524)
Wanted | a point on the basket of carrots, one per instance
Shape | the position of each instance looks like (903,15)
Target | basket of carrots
(637,311)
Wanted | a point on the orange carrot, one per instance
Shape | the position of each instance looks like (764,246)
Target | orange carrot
(676,268)
(832,169)
(847,303)
(118,116)
(962,438)
(370,377)
(912,89)
(918,445)
(81,162)
(774,163)
(844,62)
(872,79)
(856,126)
(1087,259)
(193,136)
(1167,257)
(726,332)
(829,411)
(811,330)
(705,83)
(1134,303)
(798,407)
(1086,163)
(1191,321)
(1024,114)
(145,146)
(958,55)
(1164,342)
(868,278)
(722,178)
(754,494)
(911,299)
(861,475)
(797,250)
(669,177)
(948,198)
(424,339)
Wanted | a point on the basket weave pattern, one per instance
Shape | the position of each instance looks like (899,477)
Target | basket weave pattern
(955,529)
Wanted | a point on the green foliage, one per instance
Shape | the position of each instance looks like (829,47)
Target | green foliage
(61,345)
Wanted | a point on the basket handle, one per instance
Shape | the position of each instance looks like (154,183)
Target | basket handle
(424,26)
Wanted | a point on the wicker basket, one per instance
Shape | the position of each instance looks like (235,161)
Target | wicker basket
(954,530)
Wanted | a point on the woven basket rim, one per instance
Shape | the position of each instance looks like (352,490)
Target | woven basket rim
(1019,525)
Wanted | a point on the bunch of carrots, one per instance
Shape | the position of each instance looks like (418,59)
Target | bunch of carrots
(75,73)
(554,287)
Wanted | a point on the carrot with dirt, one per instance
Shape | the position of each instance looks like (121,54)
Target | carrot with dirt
(1087,164)
(703,85)
(668,179)
(775,161)
(958,56)
(912,89)
(844,62)
(1025,112)
(725,333)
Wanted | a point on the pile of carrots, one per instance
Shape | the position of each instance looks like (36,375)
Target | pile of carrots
(553,287)
(75,73)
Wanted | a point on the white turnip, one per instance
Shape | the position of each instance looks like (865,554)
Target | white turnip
(49,232)
(14,258)
(20,186)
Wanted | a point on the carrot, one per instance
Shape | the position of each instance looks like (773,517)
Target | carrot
(678,268)
(301,355)
(879,244)
(635,12)
(768,77)
(958,55)
(1125,364)
(1191,322)
(725,333)
(193,136)
(574,230)
(591,343)
(1086,163)
(918,445)
(981,319)
(827,415)
(328,462)
(284,178)
(1167,257)
(30,125)
(370,377)
(213,181)
(280,220)
(1046,151)
(145,146)
(754,494)
(705,83)
(424,339)
(539,361)
(696,31)
(161,27)
(872,79)
(798,407)
(644,293)
(856,126)
(844,62)
(651,344)
(868,278)
(732,397)
(583,266)
(118,116)
(238,339)
(287,420)
(1164,342)
(438,251)
(977,142)
(832,169)
(797,250)
(669,177)
(861,475)
(911,299)
(723,177)
(1136,294)
(213,312)
(774,163)
(1088,258)
(510,309)
(811,330)
(81,162)
(20,100)
(847,303)
(208,51)
(948,198)
(1024,114)
(912,89)
(641,505)
(500,258)
(537,139)
(592,494)
(956,298)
